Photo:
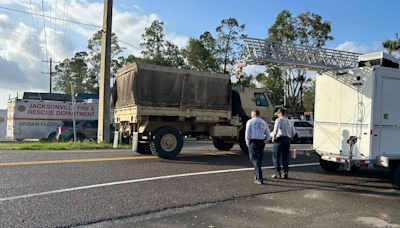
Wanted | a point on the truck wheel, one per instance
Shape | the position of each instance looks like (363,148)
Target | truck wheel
(328,165)
(221,145)
(167,142)
(395,174)
(242,140)
(144,148)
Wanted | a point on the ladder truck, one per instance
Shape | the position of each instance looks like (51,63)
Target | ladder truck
(357,115)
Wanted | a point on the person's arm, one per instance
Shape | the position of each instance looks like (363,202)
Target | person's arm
(293,131)
(267,134)
(247,133)
(273,131)
(276,128)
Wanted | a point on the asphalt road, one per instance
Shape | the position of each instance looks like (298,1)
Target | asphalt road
(201,188)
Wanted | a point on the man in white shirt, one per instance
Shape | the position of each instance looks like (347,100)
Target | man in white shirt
(257,133)
(281,136)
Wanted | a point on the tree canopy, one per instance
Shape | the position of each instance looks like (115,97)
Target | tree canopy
(392,45)
(304,29)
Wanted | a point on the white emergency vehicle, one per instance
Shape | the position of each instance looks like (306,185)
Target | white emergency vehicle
(357,111)
(38,115)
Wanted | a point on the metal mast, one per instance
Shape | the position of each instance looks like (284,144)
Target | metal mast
(266,52)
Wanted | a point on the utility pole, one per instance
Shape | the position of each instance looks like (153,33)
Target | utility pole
(50,73)
(103,130)
(73,102)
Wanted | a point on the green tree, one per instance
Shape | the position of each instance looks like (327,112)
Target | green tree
(86,66)
(392,45)
(74,70)
(309,98)
(94,59)
(272,80)
(200,53)
(173,56)
(246,80)
(153,43)
(229,33)
(131,59)
(306,29)
(157,50)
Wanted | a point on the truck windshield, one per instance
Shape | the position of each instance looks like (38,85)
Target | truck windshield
(261,100)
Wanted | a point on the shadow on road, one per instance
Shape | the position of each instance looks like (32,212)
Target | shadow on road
(375,182)
(365,181)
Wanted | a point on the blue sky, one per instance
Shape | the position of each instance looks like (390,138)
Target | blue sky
(361,21)
(358,26)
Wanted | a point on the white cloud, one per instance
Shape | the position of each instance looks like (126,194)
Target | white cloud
(128,26)
(23,44)
(180,41)
(353,46)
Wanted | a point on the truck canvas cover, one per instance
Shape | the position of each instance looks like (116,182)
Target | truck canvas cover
(151,85)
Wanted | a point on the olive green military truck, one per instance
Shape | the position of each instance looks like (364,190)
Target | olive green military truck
(161,105)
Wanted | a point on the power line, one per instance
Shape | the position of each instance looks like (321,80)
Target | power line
(65,20)
(44,29)
(66,8)
(131,45)
(36,30)
(50,17)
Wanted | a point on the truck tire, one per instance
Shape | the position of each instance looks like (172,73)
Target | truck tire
(242,140)
(395,175)
(221,145)
(167,142)
(328,165)
(144,148)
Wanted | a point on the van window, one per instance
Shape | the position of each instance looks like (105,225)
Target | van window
(302,124)
(261,100)
(306,124)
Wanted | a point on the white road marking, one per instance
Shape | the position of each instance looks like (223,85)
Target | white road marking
(285,211)
(376,222)
(141,180)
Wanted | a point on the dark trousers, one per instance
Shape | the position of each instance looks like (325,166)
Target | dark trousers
(281,152)
(256,153)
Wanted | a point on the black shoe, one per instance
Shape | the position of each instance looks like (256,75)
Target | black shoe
(285,175)
(276,175)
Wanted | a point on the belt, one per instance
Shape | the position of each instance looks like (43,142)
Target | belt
(257,140)
(283,137)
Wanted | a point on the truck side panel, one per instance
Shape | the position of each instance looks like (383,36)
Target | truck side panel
(327,115)
(343,109)
(389,116)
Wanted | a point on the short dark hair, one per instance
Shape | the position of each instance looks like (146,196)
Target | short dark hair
(257,112)
(282,110)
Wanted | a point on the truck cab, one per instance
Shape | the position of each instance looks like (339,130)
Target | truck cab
(252,99)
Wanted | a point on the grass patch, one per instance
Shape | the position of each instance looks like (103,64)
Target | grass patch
(86,145)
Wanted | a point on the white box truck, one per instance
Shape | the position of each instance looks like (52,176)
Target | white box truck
(357,116)
(38,115)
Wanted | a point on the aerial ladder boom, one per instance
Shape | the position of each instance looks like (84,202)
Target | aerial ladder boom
(270,53)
